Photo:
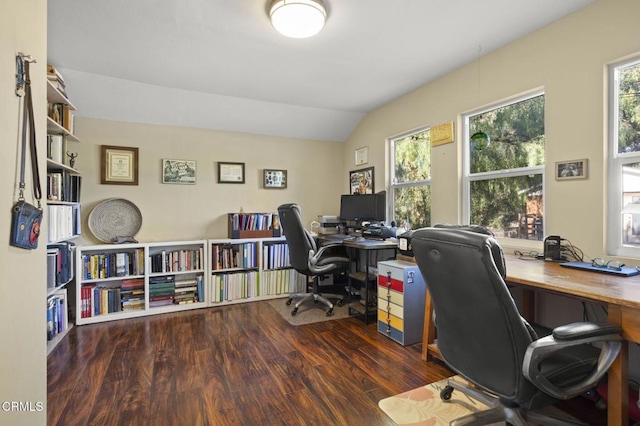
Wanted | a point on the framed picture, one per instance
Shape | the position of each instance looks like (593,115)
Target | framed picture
(275,179)
(361,181)
(574,169)
(362,156)
(118,165)
(230,172)
(178,171)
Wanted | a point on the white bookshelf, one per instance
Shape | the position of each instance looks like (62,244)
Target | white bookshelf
(97,276)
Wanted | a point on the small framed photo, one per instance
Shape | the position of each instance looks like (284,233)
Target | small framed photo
(230,172)
(118,165)
(361,181)
(362,156)
(274,179)
(574,169)
(178,171)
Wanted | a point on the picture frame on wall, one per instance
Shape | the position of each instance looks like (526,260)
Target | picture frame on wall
(179,171)
(362,181)
(362,156)
(274,179)
(118,165)
(230,172)
(574,169)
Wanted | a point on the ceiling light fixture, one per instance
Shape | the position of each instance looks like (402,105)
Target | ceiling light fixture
(298,18)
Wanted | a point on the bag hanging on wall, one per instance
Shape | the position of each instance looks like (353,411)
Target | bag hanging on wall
(26,218)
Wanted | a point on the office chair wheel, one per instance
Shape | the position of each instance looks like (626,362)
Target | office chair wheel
(294,312)
(330,312)
(340,302)
(288,302)
(445,393)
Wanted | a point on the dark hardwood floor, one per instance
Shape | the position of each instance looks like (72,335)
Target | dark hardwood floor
(234,365)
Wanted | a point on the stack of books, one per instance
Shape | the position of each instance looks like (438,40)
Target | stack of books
(55,78)
(132,294)
(161,290)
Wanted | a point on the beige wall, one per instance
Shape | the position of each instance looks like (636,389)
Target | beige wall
(23,28)
(179,212)
(568,59)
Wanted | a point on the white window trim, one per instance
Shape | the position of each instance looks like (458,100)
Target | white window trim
(615,246)
(467,177)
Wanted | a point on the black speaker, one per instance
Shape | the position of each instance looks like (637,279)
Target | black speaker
(552,248)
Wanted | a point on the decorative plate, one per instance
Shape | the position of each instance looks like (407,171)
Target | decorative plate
(115,217)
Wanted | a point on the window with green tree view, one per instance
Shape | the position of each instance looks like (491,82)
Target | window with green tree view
(623,227)
(410,195)
(504,167)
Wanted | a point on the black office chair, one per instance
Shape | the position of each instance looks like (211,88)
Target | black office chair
(483,338)
(306,258)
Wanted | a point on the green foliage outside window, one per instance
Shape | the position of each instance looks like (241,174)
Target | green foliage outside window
(517,139)
(411,190)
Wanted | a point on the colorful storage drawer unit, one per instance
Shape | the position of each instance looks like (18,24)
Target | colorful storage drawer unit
(401,301)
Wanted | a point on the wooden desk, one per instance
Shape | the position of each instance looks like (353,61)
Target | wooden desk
(368,245)
(621,296)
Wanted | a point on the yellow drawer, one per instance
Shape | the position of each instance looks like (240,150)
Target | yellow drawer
(395,321)
(392,308)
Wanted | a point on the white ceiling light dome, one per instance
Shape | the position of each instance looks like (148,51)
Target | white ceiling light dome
(298,18)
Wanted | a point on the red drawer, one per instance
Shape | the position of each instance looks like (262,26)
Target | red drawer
(396,285)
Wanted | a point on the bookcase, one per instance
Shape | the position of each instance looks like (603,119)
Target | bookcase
(62,207)
(251,269)
(119,281)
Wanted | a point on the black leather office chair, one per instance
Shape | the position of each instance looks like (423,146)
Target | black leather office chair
(483,338)
(306,258)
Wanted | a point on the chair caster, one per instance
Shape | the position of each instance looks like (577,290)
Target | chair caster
(445,393)
(294,312)
(288,302)
(330,312)
(340,302)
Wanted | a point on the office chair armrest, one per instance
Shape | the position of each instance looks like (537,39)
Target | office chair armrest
(566,336)
(328,262)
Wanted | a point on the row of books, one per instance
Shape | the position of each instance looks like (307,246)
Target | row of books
(64,222)
(59,263)
(63,186)
(254,221)
(245,285)
(129,294)
(56,148)
(177,260)
(275,256)
(116,264)
(57,318)
(228,256)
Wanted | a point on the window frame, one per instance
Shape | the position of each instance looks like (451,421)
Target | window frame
(392,170)
(468,177)
(614,233)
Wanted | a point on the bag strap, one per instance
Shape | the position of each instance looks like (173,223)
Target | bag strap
(28,120)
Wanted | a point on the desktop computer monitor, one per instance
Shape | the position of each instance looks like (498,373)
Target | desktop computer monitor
(364,207)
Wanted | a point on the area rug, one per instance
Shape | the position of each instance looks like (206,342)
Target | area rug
(308,312)
(423,406)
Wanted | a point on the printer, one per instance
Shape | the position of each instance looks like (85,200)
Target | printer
(328,224)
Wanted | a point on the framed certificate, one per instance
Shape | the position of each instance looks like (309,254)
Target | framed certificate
(230,172)
(119,165)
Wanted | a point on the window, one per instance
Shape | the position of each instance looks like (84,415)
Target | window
(410,195)
(623,233)
(504,167)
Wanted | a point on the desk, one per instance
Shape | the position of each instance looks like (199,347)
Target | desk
(368,245)
(621,296)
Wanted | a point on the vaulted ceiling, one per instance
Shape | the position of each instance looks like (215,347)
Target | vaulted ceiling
(223,64)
